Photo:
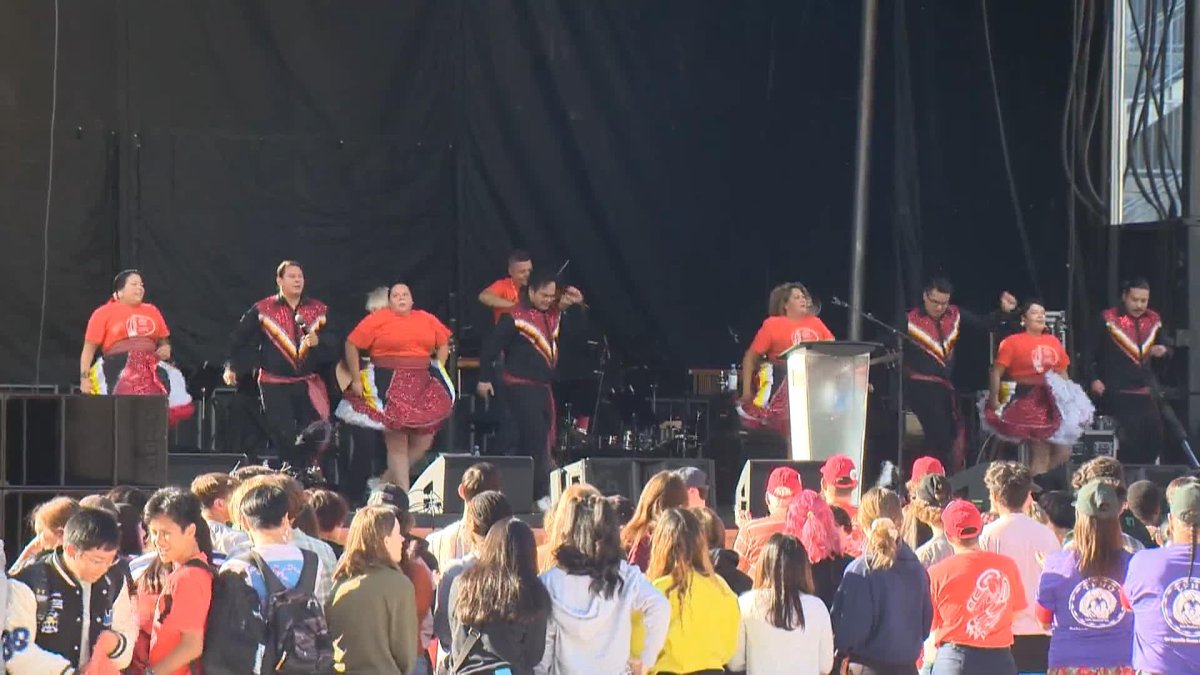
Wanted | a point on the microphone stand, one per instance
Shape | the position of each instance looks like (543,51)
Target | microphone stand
(900,338)
(1168,414)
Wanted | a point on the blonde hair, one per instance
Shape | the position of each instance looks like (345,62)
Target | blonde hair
(209,487)
(53,515)
(880,517)
(365,546)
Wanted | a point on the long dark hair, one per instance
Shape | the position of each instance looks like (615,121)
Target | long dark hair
(183,508)
(591,544)
(504,584)
(677,549)
(784,572)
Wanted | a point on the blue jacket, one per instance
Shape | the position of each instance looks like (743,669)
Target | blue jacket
(883,616)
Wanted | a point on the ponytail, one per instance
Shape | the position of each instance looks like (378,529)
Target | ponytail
(883,541)
(879,515)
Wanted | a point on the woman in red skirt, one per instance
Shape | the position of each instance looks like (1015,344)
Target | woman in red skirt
(764,401)
(1045,409)
(405,392)
(134,340)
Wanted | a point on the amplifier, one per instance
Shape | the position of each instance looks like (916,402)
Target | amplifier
(1094,443)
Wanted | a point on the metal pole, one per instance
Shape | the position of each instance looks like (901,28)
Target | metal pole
(1191,201)
(1117,149)
(862,164)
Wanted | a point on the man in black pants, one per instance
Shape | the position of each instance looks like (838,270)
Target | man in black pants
(929,391)
(527,337)
(1131,335)
(280,340)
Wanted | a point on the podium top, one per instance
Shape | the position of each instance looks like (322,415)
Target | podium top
(832,348)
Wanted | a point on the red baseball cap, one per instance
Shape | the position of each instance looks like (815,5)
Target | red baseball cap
(962,520)
(784,483)
(840,471)
(927,465)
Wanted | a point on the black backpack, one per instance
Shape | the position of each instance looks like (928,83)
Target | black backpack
(285,635)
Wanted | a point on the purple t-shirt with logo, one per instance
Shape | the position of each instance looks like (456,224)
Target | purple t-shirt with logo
(1166,610)
(1092,626)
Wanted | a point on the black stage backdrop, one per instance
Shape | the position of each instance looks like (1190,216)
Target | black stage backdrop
(684,156)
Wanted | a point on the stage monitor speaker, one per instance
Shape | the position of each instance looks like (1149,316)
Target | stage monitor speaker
(651,467)
(968,483)
(183,467)
(752,485)
(610,475)
(439,482)
(1160,475)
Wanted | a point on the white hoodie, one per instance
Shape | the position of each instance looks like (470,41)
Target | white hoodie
(590,635)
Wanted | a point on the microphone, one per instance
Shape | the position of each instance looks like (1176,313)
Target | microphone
(301,322)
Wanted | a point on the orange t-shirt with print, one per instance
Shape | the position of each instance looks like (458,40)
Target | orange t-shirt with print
(386,333)
(504,288)
(975,597)
(779,333)
(1027,358)
(182,607)
(116,321)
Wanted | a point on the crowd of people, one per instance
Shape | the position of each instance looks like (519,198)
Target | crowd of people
(251,573)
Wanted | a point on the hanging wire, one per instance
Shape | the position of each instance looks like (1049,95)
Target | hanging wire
(1026,247)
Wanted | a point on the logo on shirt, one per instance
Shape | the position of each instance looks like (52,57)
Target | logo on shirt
(988,603)
(1181,607)
(804,335)
(1096,603)
(1044,358)
(139,326)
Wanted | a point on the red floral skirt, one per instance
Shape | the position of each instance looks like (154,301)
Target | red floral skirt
(769,407)
(140,373)
(414,399)
(1031,414)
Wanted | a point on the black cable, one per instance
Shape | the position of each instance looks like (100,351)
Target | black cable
(1012,184)
(1156,97)
(1093,114)
(1137,123)
(1075,92)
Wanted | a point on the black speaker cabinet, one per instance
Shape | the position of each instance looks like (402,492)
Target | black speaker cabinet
(441,478)
(610,475)
(1160,475)
(183,467)
(83,440)
(650,467)
(752,485)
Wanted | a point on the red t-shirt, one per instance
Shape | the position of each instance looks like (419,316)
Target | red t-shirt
(182,606)
(975,595)
(779,333)
(1026,358)
(506,289)
(116,321)
(386,333)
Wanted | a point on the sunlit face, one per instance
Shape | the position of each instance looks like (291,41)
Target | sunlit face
(1035,318)
(172,543)
(394,543)
(542,298)
(1136,301)
(133,291)
(400,299)
(936,303)
(89,566)
(292,281)
(519,272)
(797,303)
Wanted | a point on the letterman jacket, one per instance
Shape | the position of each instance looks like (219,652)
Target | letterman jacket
(43,632)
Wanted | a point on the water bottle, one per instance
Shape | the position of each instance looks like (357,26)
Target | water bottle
(731,378)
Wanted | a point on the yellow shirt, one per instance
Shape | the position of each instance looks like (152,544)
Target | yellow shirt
(704,627)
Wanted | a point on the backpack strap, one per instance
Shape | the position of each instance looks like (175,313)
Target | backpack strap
(308,573)
(472,640)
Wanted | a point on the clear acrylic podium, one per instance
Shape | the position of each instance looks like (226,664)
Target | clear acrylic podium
(827,399)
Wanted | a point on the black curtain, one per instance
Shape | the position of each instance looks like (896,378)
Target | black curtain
(684,157)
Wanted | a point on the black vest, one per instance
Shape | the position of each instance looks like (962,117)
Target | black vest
(60,604)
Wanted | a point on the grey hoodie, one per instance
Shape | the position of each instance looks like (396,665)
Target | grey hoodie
(590,635)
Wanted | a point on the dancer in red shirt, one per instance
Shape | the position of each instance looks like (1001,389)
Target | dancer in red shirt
(134,340)
(405,392)
(1045,409)
(764,401)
